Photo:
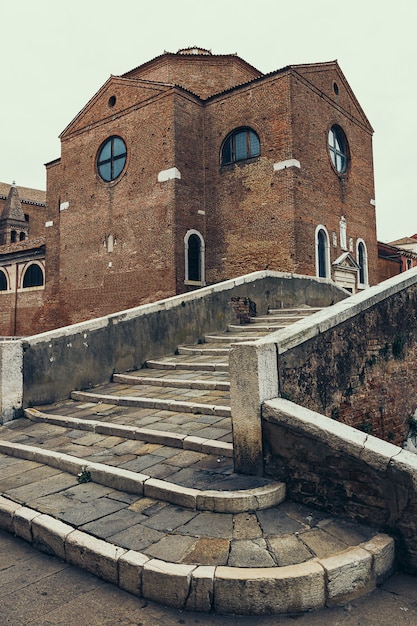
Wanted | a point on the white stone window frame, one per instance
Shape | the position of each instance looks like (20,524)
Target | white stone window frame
(361,242)
(187,281)
(319,228)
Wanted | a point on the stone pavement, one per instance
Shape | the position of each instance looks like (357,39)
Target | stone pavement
(40,590)
(133,480)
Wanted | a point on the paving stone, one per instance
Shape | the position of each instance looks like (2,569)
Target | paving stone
(113,523)
(289,550)
(250,553)
(84,512)
(169,518)
(349,533)
(30,492)
(246,526)
(171,548)
(208,551)
(20,475)
(276,522)
(137,537)
(321,543)
(209,525)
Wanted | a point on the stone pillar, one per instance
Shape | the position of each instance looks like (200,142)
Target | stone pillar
(253,379)
(11,380)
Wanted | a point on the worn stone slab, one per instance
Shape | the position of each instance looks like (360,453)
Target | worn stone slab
(289,550)
(201,593)
(172,548)
(167,583)
(7,510)
(321,543)
(170,492)
(215,447)
(208,551)
(246,526)
(22,522)
(349,575)
(136,537)
(50,535)
(130,571)
(94,555)
(209,525)
(350,533)
(250,553)
(382,548)
(256,591)
(117,477)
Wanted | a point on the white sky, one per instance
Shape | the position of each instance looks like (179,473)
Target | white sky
(55,55)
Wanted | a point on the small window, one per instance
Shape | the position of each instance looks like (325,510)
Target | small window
(338,149)
(111,158)
(362,259)
(240,145)
(33,276)
(322,253)
(3,281)
(13,236)
(22,236)
(194,258)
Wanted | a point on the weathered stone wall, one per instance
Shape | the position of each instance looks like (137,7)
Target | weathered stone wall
(343,471)
(362,371)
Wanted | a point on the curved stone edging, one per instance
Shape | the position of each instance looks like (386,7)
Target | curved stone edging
(238,501)
(165,438)
(248,591)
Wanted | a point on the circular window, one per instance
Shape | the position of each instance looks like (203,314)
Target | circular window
(338,149)
(111,158)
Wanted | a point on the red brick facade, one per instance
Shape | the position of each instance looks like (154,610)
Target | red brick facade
(114,245)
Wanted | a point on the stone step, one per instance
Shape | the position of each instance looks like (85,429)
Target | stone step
(130,431)
(183,477)
(208,350)
(290,558)
(152,403)
(248,328)
(302,311)
(234,337)
(205,364)
(138,378)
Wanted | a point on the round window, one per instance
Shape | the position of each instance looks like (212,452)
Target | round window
(111,158)
(338,149)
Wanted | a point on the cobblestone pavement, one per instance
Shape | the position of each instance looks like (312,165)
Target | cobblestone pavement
(40,590)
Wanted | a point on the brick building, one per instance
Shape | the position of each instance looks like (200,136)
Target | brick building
(194,168)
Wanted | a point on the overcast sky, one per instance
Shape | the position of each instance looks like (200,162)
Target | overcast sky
(55,55)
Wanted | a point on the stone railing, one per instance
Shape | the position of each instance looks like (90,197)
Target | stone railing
(45,368)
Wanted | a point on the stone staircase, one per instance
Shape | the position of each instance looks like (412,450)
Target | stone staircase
(134,481)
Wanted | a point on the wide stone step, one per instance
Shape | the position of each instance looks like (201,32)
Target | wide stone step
(302,311)
(289,558)
(234,337)
(128,430)
(152,403)
(248,328)
(207,350)
(195,363)
(138,378)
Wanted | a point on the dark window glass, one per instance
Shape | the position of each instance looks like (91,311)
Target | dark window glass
(33,276)
(22,236)
(361,262)
(338,148)
(111,158)
(241,144)
(13,236)
(3,281)
(194,258)
(321,243)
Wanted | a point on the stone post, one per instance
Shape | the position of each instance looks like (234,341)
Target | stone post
(253,379)
(11,380)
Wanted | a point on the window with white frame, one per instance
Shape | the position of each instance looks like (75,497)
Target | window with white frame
(194,258)
(322,244)
(362,259)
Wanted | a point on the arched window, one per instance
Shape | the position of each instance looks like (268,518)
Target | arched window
(194,258)
(33,276)
(362,259)
(338,148)
(13,236)
(322,252)
(241,144)
(3,281)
